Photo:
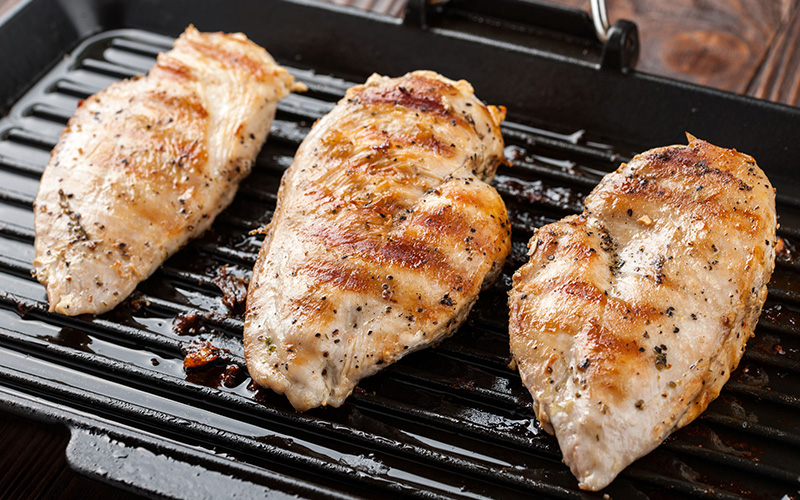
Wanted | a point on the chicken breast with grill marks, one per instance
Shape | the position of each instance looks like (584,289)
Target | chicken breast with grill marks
(629,318)
(384,232)
(147,164)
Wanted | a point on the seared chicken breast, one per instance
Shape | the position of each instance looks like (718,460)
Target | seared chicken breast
(629,318)
(147,164)
(384,232)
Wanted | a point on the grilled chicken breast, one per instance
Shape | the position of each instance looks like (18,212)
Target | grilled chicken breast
(629,318)
(147,164)
(384,232)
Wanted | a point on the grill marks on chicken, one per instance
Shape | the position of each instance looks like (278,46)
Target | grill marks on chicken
(629,318)
(147,164)
(384,232)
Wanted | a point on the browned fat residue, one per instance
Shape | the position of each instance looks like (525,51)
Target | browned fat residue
(412,92)
(200,354)
(233,288)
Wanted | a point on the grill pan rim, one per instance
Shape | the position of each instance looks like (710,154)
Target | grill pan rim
(15,402)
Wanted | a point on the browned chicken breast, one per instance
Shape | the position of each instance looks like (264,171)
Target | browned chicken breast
(147,164)
(629,318)
(384,232)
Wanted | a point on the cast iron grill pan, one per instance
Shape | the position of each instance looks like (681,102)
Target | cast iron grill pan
(448,422)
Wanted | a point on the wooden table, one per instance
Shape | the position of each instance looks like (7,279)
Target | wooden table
(744,46)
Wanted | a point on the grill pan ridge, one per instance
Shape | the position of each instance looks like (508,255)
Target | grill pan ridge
(447,422)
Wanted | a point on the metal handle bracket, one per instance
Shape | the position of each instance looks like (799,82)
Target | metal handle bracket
(600,19)
(618,42)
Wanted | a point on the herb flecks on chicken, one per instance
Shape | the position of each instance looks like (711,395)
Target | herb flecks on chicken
(384,233)
(629,318)
(147,164)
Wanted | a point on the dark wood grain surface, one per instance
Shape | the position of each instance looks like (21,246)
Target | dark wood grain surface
(745,46)
(778,78)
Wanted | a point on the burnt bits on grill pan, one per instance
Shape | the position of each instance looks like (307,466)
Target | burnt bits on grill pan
(449,422)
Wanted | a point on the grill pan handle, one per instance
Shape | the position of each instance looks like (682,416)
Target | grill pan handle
(150,469)
(618,42)
(600,19)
